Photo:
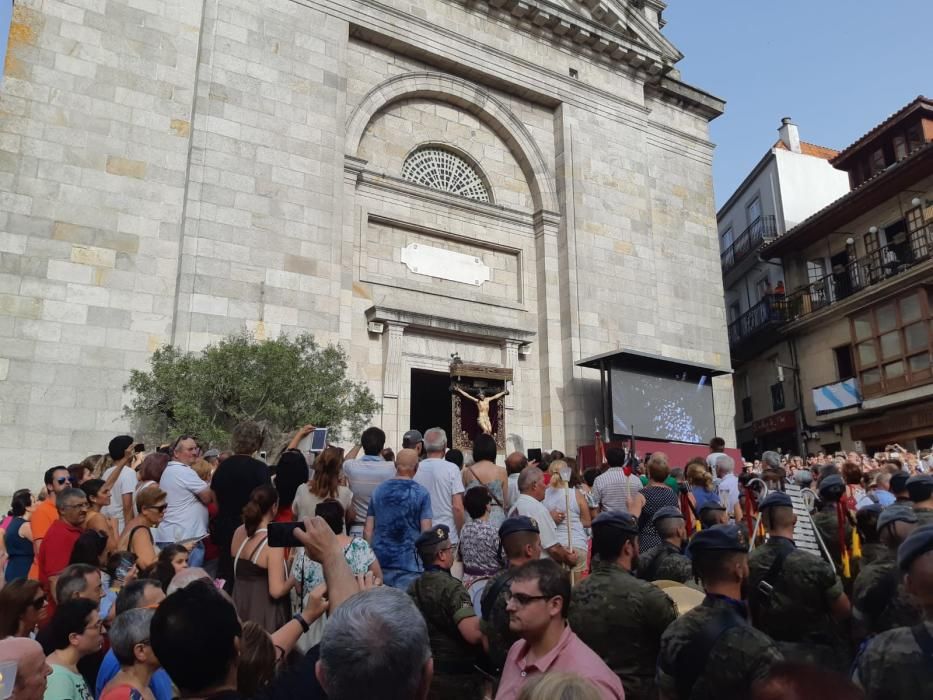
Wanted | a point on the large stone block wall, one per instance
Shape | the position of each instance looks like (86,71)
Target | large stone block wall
(264,188)
(95,127)
(173,170)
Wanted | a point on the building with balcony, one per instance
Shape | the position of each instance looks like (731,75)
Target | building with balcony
(792,181)
(858,306)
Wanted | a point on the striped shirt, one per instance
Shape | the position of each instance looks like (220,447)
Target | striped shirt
(613,488)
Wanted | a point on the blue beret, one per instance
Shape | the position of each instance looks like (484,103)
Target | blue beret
(712,505)
(831,481)
(722,538)
(666,512)
(899,481)
(918,543)
(776,499)
(518,523)
(434,536)
(617,518)
(896,513)
(919,487)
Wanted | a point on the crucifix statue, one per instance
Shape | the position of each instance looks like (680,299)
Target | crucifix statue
(482,407)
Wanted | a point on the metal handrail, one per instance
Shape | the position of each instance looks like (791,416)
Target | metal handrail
(771,308)
(762,229)
(860,273)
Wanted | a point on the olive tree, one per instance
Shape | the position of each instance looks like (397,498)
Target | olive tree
(282,383)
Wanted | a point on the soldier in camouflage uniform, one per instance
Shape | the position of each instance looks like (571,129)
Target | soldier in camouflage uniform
(898,664)
(453,626)
(826,519)
(667,562)
(616,615)
(878,595)
(521,543)
(795,597)
(713,513)
(920,489)
(866,522)
(712,652)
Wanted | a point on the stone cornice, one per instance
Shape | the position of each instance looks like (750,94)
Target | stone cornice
(566,27)
(445,325)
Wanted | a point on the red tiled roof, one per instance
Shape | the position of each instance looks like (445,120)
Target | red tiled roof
(919,102)
(810,149)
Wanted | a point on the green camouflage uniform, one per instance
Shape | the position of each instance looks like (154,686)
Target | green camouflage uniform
(444,603)
(737,658)
(924,516)
(665,563)
(827,522)
(621,618)
(878,597)
(495,622)
(872,552)
(893,667)
(797,614)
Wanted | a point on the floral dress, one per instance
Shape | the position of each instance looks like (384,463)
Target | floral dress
(479,548)
(309,574)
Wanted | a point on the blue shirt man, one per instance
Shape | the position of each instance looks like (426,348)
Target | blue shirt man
(399,511)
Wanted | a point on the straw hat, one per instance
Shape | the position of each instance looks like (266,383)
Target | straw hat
(684,597)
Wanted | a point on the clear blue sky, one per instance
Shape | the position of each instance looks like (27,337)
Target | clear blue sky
(837,67)
(6,10)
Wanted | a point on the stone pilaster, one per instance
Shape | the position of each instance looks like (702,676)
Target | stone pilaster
(510,360)
(391,382)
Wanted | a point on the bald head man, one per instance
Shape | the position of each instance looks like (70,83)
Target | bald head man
(515,462)
(406,462)
(32,671)
(399,511)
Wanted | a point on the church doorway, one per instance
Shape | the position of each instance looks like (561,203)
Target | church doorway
(430,401)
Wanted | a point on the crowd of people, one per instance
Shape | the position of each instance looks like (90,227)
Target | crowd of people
(428,573)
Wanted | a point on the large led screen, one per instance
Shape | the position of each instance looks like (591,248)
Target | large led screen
(676,408)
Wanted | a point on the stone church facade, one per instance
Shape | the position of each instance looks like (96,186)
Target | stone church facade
(525,183)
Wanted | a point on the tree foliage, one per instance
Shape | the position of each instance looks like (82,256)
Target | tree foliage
(282,383)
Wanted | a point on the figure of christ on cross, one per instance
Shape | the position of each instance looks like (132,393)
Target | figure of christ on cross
(482,407)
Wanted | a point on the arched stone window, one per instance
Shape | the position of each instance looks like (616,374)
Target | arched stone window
(443,170)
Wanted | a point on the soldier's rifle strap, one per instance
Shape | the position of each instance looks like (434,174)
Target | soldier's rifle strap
(760,593)
(651,572)
(491,594)
(692,659)
(924,640)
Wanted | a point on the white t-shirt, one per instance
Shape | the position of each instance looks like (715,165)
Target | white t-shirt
(711,460)
(535,509)
(186,517)
(729,492)
(513,490)
(442,481)
(126,483)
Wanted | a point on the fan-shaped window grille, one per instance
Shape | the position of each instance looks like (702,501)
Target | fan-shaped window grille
(442,170)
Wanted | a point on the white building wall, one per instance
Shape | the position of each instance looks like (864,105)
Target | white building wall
(807,185)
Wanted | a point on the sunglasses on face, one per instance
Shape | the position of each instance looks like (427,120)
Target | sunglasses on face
(161,508)
(38,603)
(62,480)
(522,599)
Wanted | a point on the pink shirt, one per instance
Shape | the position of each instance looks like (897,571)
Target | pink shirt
(570,655)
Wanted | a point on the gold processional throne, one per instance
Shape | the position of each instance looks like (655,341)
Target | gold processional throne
(477,390)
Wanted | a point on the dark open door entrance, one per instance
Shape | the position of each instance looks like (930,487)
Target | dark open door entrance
(430,401)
